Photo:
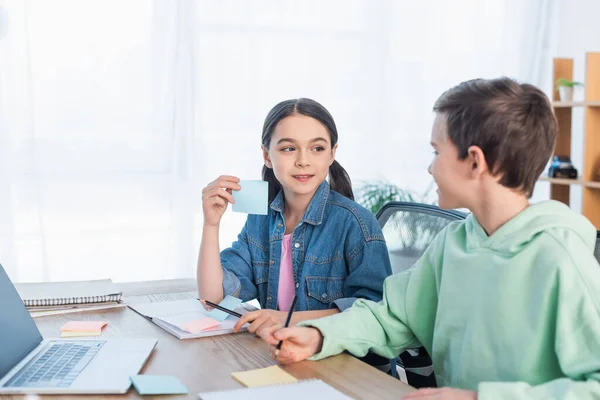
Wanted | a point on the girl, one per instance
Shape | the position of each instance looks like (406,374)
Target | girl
(315,242)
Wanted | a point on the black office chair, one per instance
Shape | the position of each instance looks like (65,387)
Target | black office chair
(408,229)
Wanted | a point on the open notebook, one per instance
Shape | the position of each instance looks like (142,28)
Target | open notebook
(47,294)
(308,389)
(187,319)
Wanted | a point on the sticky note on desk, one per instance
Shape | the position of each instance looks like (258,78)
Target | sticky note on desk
(83,326)
(200,325)
(264,377)
(230,303)
(157,384)
(80,334)
(253,198)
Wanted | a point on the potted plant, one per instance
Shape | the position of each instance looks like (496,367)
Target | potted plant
(407,236)
(566,88)
(373,195)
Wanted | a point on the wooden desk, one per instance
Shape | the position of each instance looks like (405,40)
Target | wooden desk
(206,364)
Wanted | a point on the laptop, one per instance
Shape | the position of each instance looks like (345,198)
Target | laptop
(30,364)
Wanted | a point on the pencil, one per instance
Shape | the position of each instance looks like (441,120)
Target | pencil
(287,322)
(218,307)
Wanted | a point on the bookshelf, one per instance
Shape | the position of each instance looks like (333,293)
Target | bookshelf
(560,189)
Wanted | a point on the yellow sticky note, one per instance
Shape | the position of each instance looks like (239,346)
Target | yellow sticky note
(83,326)
(75,334)
(264,377)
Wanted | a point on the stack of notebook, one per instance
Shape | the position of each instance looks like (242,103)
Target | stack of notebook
(50,298)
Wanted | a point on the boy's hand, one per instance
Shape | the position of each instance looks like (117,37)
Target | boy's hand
(261,321)
(215,198)
(298,344)
(445,393)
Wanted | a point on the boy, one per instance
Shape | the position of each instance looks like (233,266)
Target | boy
(507,302)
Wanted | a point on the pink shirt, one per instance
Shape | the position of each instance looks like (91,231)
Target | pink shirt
(286,289)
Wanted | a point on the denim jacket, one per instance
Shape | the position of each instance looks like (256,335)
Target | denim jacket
(338,255)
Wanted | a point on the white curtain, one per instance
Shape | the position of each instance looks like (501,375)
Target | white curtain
(114,114)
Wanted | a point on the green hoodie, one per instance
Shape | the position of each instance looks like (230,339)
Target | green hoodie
(514,315)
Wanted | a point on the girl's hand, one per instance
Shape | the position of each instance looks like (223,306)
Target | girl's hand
(444,393)
(262,320)
(298,344)
(215,198)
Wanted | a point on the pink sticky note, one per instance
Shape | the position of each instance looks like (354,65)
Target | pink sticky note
(199,325)
(83,326)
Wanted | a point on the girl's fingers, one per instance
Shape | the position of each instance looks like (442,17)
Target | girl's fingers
(226,183)
(251,316)
(218,201)
(214,192)
(257,323)
(229,178)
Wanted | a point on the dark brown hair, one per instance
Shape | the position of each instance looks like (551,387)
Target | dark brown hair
(338,177)
(512,123)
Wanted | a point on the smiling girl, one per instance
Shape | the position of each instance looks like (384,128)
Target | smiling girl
(315,242)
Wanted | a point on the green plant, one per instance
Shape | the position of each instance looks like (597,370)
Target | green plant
(407,234)
(373,195)
(567,83)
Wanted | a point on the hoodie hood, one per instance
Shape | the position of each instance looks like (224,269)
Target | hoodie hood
(527,225)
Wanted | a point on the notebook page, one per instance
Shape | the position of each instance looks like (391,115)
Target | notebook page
(309,389)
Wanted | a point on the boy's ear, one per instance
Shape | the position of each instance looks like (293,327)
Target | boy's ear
(476,158)
(266,157)
(333,154)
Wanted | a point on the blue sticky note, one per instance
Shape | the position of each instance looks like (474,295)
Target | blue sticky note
(253,198)
(157,384)
(229,303)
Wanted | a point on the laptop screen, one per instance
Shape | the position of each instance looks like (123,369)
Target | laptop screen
(18,332)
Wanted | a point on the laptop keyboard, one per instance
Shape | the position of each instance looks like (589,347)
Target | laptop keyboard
(58,366)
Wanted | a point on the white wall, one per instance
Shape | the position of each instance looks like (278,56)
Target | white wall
(577,31)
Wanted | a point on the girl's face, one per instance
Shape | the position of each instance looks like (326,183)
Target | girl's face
(300,154)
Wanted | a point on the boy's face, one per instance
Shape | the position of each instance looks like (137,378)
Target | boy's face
(451,175)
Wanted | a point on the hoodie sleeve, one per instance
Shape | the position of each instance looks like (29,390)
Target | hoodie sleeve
(577,333)
(409,299)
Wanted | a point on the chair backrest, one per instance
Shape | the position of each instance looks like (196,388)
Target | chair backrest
(409,228)
(597,248)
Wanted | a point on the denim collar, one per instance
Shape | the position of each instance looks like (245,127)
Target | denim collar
(316,207)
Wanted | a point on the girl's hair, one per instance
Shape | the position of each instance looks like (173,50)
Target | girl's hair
(338,177)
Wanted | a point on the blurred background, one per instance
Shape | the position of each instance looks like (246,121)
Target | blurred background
(115,114)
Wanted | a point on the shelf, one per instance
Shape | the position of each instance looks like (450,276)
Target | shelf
(568,104)
(563,181)
(589,103)
(592,184)
(571,104)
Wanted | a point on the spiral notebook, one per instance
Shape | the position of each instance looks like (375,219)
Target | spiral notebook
(308,389)
(44,294)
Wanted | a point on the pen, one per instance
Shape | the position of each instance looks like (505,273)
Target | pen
(218,307)
(287,322)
